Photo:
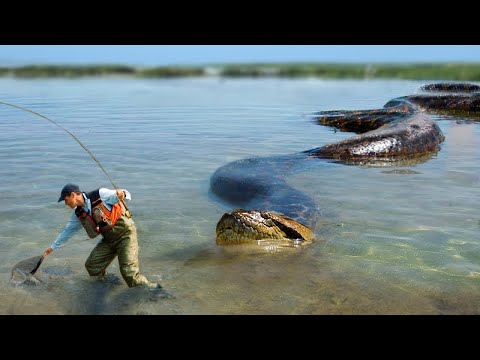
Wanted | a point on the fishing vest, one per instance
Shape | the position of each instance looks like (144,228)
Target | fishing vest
(102,219)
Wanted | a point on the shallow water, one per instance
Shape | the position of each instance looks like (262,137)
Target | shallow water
(401,240)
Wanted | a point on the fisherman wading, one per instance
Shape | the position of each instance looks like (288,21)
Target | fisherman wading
(103,212)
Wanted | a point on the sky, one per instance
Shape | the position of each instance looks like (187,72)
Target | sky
(162,55)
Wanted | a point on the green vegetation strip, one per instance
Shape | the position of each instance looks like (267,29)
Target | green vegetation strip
(432,71)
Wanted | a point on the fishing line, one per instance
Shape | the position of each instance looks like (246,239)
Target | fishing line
(68,132)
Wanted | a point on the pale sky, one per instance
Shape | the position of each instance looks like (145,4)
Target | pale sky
(159,55)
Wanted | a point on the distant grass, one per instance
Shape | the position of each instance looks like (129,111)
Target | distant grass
(464,72)
(170,71)
(425,71)
(69,71)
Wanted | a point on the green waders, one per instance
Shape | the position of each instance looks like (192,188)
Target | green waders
(121,240)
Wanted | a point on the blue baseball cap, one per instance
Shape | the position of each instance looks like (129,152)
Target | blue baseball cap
(67,190)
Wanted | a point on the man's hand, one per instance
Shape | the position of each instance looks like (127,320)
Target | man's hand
(47,252)
(120,194)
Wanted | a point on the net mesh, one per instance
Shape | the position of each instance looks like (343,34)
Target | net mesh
(22,271)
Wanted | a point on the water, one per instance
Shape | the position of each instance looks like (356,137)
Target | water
(401,242)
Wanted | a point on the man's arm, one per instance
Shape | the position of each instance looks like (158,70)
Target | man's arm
(71,228)
(113,196)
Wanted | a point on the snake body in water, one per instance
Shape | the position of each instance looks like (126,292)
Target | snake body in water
(402,131)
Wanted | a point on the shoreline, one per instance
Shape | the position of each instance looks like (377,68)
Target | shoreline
(419,71)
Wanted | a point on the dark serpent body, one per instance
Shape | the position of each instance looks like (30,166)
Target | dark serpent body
(401,131)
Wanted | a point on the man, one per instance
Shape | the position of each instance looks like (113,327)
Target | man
(103,212)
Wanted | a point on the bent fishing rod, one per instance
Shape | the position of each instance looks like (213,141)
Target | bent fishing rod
(76,139)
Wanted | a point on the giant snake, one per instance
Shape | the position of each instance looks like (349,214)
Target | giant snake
(402,131)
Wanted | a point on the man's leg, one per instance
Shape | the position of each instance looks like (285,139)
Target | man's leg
(100,257)
(127,250)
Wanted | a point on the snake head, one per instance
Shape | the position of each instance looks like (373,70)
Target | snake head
(250,226)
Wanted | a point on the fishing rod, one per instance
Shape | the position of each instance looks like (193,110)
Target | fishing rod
(77,140)
(38,260)
(68,132)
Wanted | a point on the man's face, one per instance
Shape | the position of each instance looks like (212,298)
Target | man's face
(70,200)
